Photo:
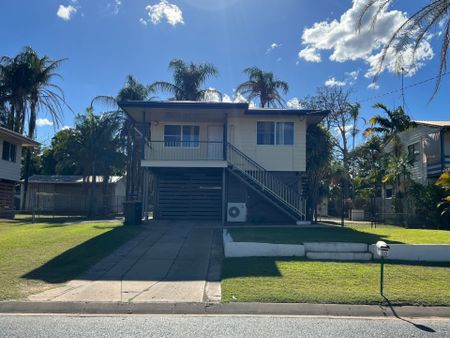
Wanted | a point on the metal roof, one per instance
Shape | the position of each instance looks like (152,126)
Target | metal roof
(68,179)
(434,123)
(17,138)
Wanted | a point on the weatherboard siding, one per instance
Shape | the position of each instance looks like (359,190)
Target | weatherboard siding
(10,170)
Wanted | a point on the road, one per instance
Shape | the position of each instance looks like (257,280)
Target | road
(216,326)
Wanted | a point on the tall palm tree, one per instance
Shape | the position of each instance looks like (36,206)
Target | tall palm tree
(395,122)
(354,113)
(263,85)
(431,17)
(187,81)
(43,95)
(133,90)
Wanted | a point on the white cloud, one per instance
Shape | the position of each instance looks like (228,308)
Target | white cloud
(310,54)
(115,6)
(353,75)
(161,11)
(65,12)
(332,82)
(373,86)
(294,103)
(342,38)
(43,122)
(273,46)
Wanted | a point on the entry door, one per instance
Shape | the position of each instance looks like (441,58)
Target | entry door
(215,149)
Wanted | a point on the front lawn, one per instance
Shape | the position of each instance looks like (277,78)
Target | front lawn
(292,280)
(33,256)
(351,233)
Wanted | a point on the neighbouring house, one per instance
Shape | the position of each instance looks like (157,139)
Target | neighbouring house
(11,144)
(224,161)
(428,148)
(69,194)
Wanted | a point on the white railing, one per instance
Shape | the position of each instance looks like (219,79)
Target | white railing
(267,181)
(184,151)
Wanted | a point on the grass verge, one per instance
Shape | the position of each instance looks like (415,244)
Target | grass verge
(292,280)
(36,255)
(352,233)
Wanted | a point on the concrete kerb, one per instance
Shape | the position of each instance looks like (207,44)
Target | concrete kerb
(281,309)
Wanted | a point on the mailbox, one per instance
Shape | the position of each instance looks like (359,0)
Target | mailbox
(382,249)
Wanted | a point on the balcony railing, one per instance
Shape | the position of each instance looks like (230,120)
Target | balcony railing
(434,170)
(184,151)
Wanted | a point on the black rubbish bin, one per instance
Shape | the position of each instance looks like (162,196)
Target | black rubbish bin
(132,211)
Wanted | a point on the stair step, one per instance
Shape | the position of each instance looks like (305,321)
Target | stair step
(340,256)
(335,247)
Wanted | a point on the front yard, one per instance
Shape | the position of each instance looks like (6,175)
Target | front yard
(36,256)
(294,280)
(350,233)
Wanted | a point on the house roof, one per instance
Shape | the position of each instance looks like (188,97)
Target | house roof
(68,179)
(434,123)
(16,138)
(134,108)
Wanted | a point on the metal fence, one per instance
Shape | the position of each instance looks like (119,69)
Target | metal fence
(67,204)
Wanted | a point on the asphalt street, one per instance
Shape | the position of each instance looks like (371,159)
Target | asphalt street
(216,326)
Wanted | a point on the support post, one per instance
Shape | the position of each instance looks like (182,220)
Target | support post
(382,276)
(224,197)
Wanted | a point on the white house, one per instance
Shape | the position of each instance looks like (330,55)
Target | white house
(224,160)
(11,144)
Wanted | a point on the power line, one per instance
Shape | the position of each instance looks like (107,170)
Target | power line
(403,88)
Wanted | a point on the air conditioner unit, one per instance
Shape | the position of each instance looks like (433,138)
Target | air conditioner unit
(237,212)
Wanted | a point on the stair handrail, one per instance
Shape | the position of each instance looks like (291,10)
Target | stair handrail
(284,192)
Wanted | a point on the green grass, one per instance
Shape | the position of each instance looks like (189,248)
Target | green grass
(291,280)
(32,256)
(351,233)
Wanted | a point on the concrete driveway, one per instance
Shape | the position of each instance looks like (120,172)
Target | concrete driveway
(167,262)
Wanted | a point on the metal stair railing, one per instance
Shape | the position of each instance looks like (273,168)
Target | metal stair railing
(267,181)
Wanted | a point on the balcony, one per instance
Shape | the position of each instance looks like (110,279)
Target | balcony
(435,170)
(184,154)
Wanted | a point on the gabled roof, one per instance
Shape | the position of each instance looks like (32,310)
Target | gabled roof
(68,179)
(16,138)
(434,123)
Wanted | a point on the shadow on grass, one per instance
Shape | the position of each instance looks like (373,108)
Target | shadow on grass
(301,235)
(76,260)
(267,266)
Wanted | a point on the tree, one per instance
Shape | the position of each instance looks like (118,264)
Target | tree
(414,30)
(187,81)
(444,183)
(133,90)
(44,95)
(395,122)
(318,158)
(263,85)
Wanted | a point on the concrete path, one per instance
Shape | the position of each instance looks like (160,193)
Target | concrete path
(169,263)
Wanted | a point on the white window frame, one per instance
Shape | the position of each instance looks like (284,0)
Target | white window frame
(181,136)
(275,137)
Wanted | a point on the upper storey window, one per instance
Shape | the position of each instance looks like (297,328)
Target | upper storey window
(275,133)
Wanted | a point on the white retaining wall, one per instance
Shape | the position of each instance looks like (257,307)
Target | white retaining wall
(405,252)
(416,252)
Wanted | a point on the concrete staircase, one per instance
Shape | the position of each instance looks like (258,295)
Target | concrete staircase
(338,251)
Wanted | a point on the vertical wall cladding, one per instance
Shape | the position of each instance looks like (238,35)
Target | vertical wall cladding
(6,199)
(189,193)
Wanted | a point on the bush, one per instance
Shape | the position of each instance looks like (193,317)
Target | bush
(426,200)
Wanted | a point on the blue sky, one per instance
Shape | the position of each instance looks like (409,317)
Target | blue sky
(105,40)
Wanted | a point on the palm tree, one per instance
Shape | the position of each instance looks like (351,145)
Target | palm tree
(133,90)
(395,122)
(43,95)
(354,113)
(433,16)
(263,85)
(187,81)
